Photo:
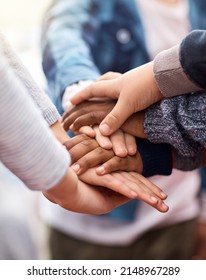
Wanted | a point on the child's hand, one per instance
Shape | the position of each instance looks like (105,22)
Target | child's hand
(129,184)
(135,91)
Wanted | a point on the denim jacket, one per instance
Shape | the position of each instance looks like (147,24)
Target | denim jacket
(82,39)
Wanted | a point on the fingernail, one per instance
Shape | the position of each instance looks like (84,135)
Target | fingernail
(163,195)
(165,207)
(69,105)
(153,199)
(121,152)
(131,150)
(104,129)
(76,167)
(106,144)
(133,194)
(100,170)
(71,127)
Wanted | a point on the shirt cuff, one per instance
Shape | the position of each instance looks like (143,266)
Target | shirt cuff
(71,90)
(156,158)
(170,76)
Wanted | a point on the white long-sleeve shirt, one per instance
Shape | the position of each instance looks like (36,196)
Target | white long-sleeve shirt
(27,146)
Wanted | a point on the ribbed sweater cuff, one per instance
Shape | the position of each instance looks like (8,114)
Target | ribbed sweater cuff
(170,76)
(156,158)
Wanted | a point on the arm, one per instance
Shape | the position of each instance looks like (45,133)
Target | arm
(47,108)
(25,136)
(32,153)
(143,89)
(70,60)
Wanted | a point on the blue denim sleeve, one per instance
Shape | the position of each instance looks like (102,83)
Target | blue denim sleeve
(66,54)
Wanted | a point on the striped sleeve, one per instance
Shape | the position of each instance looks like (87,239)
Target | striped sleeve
(27,146)
(47,108)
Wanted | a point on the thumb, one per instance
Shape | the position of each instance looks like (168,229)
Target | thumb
(115,118)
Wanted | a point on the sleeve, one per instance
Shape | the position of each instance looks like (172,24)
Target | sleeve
(170,76)
(44,103)
(181,122)
(193,57)
(182,68)
(71,91)
(66,53)
(27,146)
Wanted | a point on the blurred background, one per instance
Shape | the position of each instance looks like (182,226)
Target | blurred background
(21,21)
(22,233)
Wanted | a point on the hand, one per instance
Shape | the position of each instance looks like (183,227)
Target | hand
(122,143)
(86,113)
(78,196)
(86,153)
(135,91)
(74,195)
(129,184)
(89,113)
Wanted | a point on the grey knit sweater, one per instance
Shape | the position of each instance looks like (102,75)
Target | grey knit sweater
(178,120)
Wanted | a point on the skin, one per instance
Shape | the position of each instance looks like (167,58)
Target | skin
(82,194)
(86,153)
(89,113)
(139,84)
(93,112)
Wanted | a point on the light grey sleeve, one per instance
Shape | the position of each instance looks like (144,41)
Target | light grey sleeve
(46,106)
(27,146)
(170,76)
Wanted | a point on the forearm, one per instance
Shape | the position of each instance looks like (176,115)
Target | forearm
(70,60)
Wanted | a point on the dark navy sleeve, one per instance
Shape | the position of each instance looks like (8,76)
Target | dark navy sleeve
(193,57)
(156,158)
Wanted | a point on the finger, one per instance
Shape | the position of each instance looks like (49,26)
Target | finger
(82,148)
(128,163)
(91,118)
(109,76)
(87,130)
(103,141)
(144,190)
(118,143)
(74,141)
(69,119)
(116,117)
(131,145)
(92,159)
(109,181)
(97,89)
(76,111)
(151,186)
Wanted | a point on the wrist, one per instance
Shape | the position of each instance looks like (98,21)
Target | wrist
(59,132)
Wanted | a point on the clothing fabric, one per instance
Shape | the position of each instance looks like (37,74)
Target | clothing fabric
(20,116)
(181,115)
(156,240)
(187,58)
(95,37)
(176,17)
